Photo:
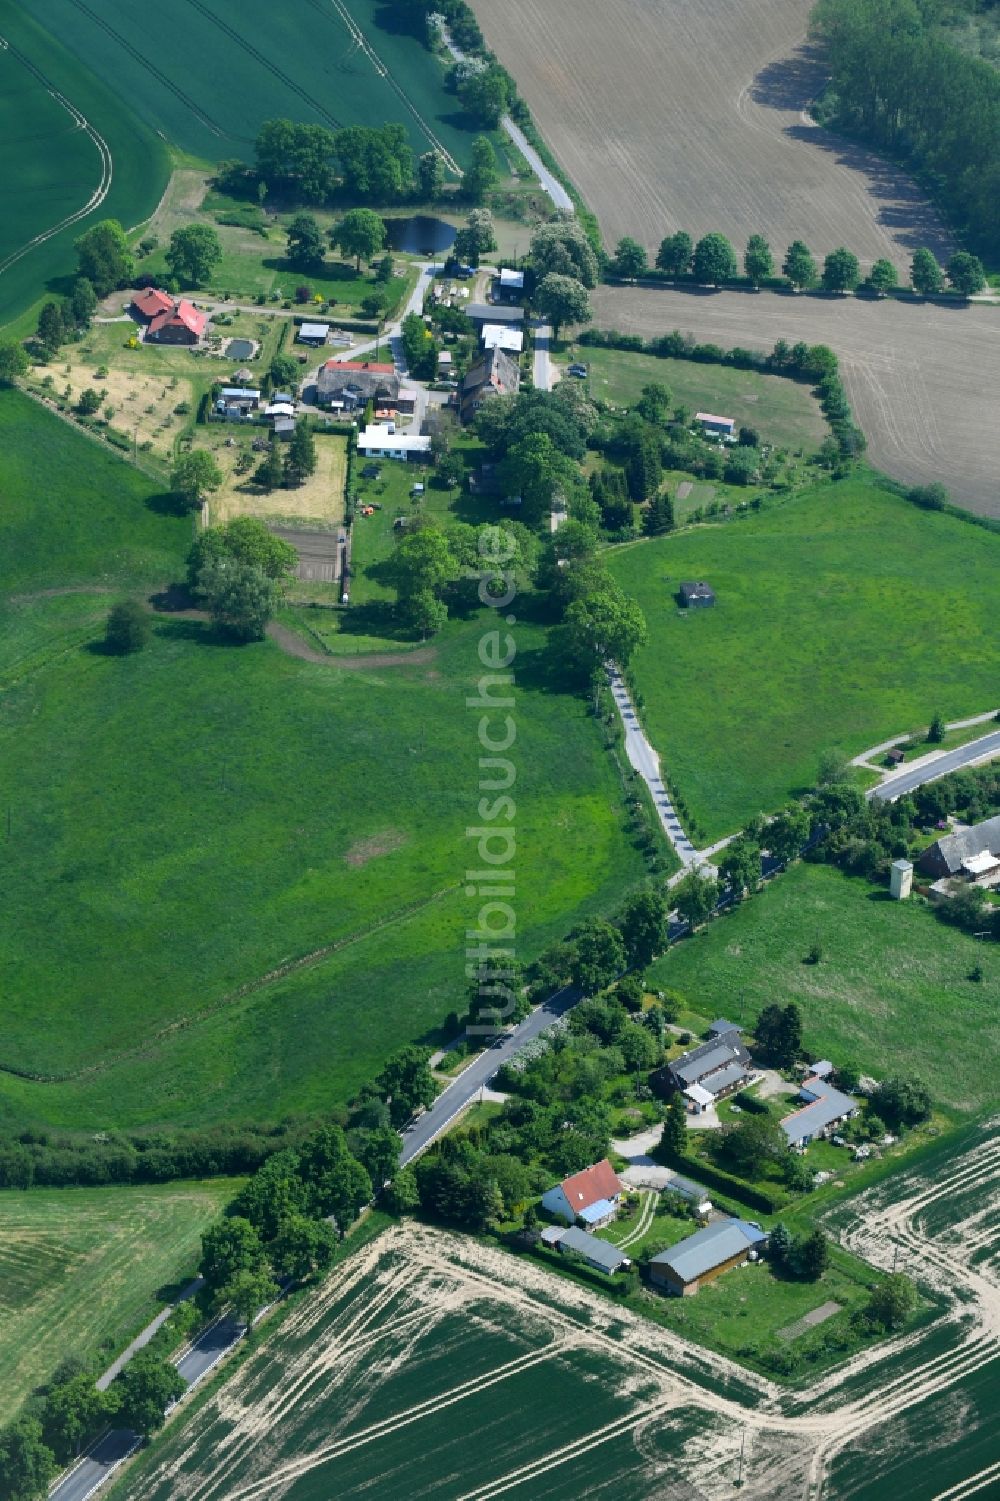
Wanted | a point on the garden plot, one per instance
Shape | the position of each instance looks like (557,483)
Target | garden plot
(428,1367)
(669,115)
(319,500)
(150,406)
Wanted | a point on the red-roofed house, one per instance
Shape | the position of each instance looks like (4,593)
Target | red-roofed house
(182,324)
(591,1196)
(146,305)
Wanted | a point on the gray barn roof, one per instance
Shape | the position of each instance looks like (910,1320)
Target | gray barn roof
(691,1068)
(716,1083)
(831,1106)
(494,312)
(709,1248)
(601,1251)
(954,848)
(721,1027)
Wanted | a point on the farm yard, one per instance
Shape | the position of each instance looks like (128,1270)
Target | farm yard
(843,616)
(668,116)
(919,377)
(892,985)
(430,1347)
(80,1270)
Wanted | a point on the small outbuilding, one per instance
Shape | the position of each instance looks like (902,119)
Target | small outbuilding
(599,1254)
(314,334)
(705,1255)
(901,879)
(722,427)
(510,283)
(696,596)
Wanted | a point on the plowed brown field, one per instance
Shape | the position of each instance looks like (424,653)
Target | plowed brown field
(688,114)
(921,378)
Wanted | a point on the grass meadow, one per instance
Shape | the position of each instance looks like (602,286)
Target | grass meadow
(784,412)
(891,990)
(51,167)
(189,821)
(80,1269)
(843,617)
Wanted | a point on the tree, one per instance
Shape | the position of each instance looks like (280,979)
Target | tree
(239,597)
(606,624)
(643,926)
(378,1151)
(274,1194)
(88,402)
(787,832)
(659,515)
(248,1293)
(740,864)
(485,95)
(406,1083)
(882,277)
(423,560)
(714,260)
(284,371)
(561,300)
(144,1388)
(402,1195)
(193,253)
(425,613)
(696,896)
(799,266)
(127,629)
(306,249)
(841,272)
(375,163)
(229,1246)
(535,469)
(27,1464)
(673,1140)
(834,770)
(966,274)
(478,237)
(936,730)
(811,1256)
(903,1100)
(561,248)
(779,1247)
(925,273)
(788,1041)
(302,1247)
(14,361)
(630,259)
(296,158)
(74,1411)
(83,301)
(270,472)
(194,476)
(749,1146)
(674,254)
(892,1301)
(599,956)
(653,405)
(419,348)
(104,258)
(430,175)
(360,233)
(482,175)
(51,326)
(932,497)
(758,262)
(300,455)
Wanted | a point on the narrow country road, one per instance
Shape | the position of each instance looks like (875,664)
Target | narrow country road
(646,762)
(902,782)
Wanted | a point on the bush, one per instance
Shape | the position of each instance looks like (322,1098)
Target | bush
(127,630)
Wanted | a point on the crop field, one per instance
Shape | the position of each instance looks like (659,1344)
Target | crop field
(427,1363)
(80,1269)
(67,161)
(672,116)
(213,77)
(784,412)
(891,989)
(296,830)
(843,616)
(918,376)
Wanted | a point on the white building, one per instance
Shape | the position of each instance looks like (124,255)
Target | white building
(381,441)
(511,281)
(495,336)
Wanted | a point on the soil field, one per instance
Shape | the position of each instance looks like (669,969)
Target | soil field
(80,1269)
(428,1366)
(920,377)
(215,77)
(671,115)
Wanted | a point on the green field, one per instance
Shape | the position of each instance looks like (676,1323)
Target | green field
(80,1270)
(214,76)
(843,617)
(783,411)
(185,822)
(51,166)
(890,992)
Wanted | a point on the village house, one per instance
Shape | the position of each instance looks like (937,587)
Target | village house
(148,304)
(721,427)
(482,313)
(381,441)
(823,1108)
(496,336)
(971,854)
(705,1255)
(346,385)
(599,1254)
(182,324)
(713,1070)
(508,284)
(592,1196)
(496,374)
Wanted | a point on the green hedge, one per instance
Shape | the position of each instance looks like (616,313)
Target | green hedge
(765,1200)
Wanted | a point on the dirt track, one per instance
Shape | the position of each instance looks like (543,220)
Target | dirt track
(295,646)
(672,114)
(920,377)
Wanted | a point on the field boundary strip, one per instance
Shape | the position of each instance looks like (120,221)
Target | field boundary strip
(99,194)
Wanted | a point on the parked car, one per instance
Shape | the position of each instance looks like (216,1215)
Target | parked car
(580,371)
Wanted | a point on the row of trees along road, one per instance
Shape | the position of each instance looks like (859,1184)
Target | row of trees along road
(713,262)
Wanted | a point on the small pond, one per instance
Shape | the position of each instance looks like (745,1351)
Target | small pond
(240,349)
(420,234)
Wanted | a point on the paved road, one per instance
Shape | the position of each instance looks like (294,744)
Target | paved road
(100,1461)
(104,1381)
(458,1094)
(963,755)
(647,763)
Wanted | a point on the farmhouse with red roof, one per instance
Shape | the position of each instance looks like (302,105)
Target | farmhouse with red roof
(182,324)
(149,304)
(591,1196)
